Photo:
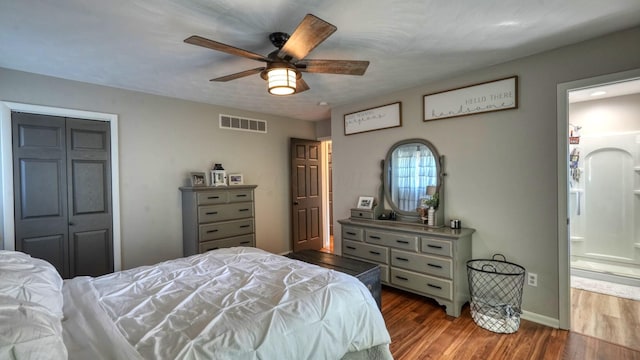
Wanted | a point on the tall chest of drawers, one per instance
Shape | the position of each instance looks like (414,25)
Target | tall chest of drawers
(425,261)
(217,217)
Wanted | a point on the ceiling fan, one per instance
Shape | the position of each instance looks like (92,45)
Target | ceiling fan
(284,66)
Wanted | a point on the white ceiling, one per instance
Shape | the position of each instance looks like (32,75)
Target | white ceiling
(138,44)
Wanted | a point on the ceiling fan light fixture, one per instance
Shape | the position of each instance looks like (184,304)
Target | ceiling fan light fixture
(282,81)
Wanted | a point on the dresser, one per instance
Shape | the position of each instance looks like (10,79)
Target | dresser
(415,258)
(217,217)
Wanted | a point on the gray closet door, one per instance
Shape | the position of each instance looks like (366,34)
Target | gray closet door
(89,194)
(40,188)
(62,190)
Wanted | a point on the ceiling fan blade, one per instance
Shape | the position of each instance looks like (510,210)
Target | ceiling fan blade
(310,32)
(301,86)
(239,75)
(210,44)
(346,67)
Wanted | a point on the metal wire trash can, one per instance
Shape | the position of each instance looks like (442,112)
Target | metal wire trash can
(496,293)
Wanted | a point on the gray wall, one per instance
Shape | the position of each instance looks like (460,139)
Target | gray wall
(501,167)
(615,114)
(161,140)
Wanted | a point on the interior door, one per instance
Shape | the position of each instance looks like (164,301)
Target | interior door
(62,186)
(306,194)
(89,197)
(40,187)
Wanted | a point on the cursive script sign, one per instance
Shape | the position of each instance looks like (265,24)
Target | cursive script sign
(485,97)
(382,117)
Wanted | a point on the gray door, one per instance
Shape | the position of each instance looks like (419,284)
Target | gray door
(62,191)
(306,193)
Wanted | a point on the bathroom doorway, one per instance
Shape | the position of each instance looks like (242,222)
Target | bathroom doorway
(599,189)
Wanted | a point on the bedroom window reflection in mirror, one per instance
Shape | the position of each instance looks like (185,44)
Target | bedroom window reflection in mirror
(414,169)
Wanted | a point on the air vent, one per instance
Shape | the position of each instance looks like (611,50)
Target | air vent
(242,124)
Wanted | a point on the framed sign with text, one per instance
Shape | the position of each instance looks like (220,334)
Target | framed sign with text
(382,117)
(489,96)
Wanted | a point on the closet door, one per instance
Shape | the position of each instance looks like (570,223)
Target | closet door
(62,179)
(89,197)
(40,188)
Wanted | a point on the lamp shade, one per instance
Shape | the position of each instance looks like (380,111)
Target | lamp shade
(282,81)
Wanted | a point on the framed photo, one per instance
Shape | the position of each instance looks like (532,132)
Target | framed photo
(382,117)
(198,179)
(236,179)
(489,96)
(365,202)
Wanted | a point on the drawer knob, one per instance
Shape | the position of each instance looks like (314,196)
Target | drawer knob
(241,195)
(351,233)
(435,286)
(212,231)
(244,226)
(434,246)
(350,247)
(374,237)
(402,241)
(402,259)
(212,213)
(213,197)
(401,278)
(435,266)
(374,252)
(243,210)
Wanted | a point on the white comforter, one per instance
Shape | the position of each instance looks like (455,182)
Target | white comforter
(237,303)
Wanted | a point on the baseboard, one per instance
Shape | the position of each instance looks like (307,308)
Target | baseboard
(540,319)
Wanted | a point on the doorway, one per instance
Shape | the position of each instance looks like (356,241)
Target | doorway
(7,227)
(327,186)
(598,179)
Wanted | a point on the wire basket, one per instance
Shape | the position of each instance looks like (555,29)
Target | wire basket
(496,293)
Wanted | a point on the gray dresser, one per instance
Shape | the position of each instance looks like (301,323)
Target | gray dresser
(422,260)
(217,217)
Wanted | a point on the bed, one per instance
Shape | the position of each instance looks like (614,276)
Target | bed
(235,303)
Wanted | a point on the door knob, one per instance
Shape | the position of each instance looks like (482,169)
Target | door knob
(296,203)
(71,223)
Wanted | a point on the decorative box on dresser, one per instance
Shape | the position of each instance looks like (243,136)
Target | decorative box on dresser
(413,257)
(217,217)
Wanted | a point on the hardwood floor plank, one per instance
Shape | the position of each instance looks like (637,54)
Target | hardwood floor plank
(420,329)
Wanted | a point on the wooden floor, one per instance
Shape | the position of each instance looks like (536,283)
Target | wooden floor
(614,319)
(420,329)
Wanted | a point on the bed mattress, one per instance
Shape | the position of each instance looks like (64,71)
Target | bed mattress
(236,303)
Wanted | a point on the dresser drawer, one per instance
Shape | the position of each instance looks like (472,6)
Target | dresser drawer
(436,246)
(213,213)
(431,265)
(214,197)
(422,283)
(225,229)
(352,233)
(401,241)
(370,252)
(244,240)
(240,195)
(362,214)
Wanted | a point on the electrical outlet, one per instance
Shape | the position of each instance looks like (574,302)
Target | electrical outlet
(532,279)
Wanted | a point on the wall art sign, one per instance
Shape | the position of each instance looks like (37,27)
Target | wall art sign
(382,117)
(489,96)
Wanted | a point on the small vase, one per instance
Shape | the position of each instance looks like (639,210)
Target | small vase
(431,217)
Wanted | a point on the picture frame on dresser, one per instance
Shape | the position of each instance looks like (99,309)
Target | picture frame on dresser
(197,178)
(365,202)
(236,179)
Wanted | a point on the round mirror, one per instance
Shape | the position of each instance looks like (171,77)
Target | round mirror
(412,177)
